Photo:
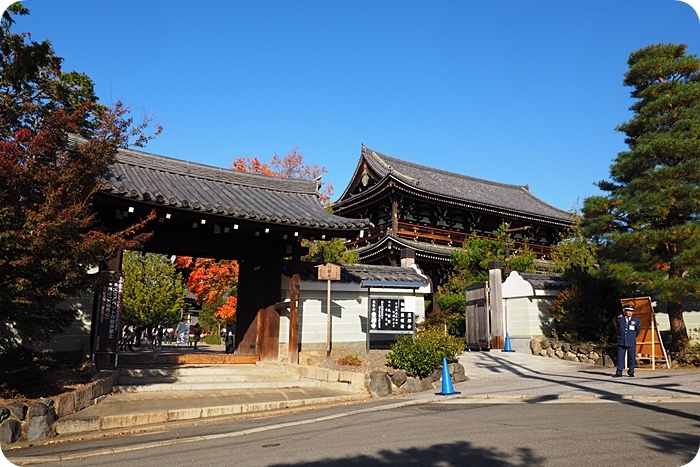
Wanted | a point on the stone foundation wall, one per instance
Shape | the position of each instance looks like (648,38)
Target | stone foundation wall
(37,420)
(584,352)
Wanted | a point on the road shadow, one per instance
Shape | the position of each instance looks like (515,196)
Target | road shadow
(587,384)
(461,453)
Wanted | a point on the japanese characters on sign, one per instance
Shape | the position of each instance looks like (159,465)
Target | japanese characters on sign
(328,271)
(108,322)
(390,315)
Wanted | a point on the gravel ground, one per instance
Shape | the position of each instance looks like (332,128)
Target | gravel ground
(375,360)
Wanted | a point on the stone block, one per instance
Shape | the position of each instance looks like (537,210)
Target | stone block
(379,384)
(83,398)
(398,377)
(40,421)
(220,411)
(412,385)
(184,414)
(321,374)
(10,431)
(67,426)
(120,421)
(64,404)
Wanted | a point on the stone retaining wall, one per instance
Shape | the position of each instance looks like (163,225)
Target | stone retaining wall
(37,420)
(584,352)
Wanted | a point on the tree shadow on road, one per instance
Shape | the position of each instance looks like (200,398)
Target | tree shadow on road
(461,454)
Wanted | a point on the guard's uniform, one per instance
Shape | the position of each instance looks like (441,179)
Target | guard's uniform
(627,332)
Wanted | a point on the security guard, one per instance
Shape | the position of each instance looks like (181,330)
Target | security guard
(627,332)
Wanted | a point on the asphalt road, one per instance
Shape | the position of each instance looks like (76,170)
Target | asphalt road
(451,432)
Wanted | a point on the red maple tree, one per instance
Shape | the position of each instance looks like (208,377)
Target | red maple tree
(212,281)
(290,166)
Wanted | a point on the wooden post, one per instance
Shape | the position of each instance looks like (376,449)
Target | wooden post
(293,349)
(328,319)
(329,272)
(498,326)
(653,351)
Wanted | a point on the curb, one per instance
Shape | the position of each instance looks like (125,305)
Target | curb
(78,425)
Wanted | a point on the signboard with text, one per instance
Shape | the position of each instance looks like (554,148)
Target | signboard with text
(390,315)
(109,317)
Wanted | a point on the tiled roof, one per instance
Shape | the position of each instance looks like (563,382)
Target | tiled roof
(423,249)
(362,272)
(545,281)
(484,193)
(163,181)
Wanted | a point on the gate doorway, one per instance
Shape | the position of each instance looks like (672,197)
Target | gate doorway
(477,317)
(211,212)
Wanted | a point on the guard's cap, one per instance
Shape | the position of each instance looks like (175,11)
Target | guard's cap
(628,308)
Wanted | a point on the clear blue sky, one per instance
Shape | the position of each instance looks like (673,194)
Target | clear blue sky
(521,92)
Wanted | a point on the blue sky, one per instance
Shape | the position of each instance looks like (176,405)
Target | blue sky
(520,92)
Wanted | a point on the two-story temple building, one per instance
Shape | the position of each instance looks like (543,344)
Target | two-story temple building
(430,212)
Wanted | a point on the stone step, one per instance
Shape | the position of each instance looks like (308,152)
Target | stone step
(209,377)
(212,370)
(204,378)
(211,385)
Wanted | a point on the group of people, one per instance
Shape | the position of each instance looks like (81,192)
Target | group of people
(132,336)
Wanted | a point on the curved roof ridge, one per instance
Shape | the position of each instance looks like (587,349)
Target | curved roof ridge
(383,158)
(487,193)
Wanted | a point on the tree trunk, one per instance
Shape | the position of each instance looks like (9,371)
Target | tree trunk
(679,334)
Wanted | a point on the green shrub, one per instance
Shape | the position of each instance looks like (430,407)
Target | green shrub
(213,339)
(422,355)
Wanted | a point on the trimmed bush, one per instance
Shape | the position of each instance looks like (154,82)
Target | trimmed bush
(212,339)
(420,356)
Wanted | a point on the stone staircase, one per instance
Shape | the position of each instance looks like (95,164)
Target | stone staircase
(218,377)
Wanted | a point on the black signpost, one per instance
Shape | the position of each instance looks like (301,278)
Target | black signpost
(109,318)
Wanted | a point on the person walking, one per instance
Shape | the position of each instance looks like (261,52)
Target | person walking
(197,333)
(628,327)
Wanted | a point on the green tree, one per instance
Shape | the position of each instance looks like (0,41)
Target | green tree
(586,307)
(331,251)
(470,266)
(49,236)
(154,292)
(647,225)
(574,250)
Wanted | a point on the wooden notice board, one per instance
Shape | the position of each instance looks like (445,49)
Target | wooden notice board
(650,348)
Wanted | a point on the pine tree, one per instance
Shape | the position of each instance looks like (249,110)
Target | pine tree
(647,225)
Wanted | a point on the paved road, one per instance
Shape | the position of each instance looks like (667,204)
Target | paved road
(514,404)
(454,432)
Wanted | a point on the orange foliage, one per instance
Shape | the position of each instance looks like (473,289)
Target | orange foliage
(209,279)
(290,166)
(227,311)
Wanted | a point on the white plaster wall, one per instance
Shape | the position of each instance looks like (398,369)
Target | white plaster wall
(525,316)
(76,338)
(348,312)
